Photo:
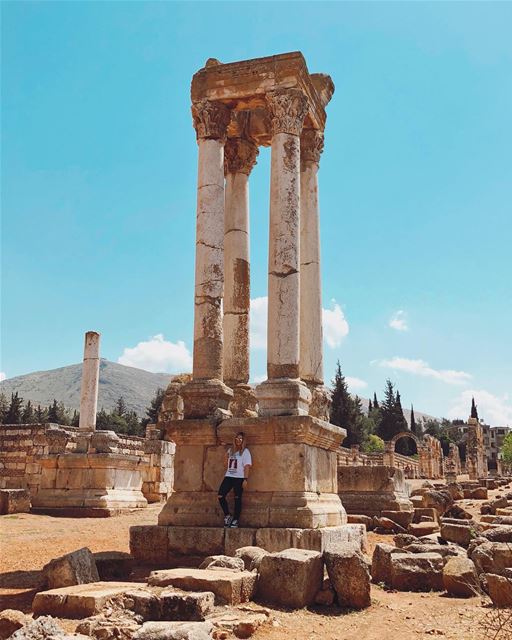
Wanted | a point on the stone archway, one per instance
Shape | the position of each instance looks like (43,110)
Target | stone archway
(405,434)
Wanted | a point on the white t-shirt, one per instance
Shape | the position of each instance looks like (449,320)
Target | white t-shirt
(236,463)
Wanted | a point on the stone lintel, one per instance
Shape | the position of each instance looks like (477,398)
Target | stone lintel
(191,432)
(284,430)
(243,85)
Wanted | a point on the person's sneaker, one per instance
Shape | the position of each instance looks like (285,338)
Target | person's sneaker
(234,524)
(228,520)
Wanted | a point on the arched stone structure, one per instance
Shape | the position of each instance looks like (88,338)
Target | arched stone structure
(430,456)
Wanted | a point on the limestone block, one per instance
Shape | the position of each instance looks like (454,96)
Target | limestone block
(224,562)
(349,576)
(417,572)
(113,565)
(501,533)
(214,467)
(174,631)
(185,606)
(423,528)
(14,501)
(236,538)
(251,556)
(460,577)
(10,621)
(75,568)
(229,587)
(290,578)
(403,518)
(445,550)
(195,541)
(149,543)
(458,533)
(381,562)
(492,557)
(79,601)
(500,590)
(188,468)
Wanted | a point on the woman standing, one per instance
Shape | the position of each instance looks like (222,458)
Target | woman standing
(238,463)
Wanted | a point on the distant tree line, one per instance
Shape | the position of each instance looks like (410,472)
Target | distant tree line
(384,420)
(120,419)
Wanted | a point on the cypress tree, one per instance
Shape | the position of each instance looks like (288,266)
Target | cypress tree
(370,408)
(27,417)
(474,412)
(375,401)
(346,412)
(13,415)
(414,426)
(401,422)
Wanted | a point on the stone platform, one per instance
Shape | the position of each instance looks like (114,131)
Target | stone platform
(172,546)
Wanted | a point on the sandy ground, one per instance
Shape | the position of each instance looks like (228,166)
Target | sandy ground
(28,541)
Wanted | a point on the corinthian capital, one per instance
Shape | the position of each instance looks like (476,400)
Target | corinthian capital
(311,145)
(239,155)
(211,119)
(287,110)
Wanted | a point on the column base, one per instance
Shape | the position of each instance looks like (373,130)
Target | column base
(283,397)
(173,546)
(202,398)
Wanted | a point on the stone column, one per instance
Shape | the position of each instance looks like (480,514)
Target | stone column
(239,159)
(311,344)
(90,379)
(283,393)
(207,392)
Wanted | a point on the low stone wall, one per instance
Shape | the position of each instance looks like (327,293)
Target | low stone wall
(354,457)
(24,447)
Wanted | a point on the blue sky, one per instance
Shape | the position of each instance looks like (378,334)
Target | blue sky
(99,170)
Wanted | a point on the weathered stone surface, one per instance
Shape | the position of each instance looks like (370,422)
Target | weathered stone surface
(438,500)
(499,589)
(290,578)
(417,572)
(457,512)
(456,491)
(149,543)
(229,587)
(492,557)
(460,577)
(113,565)
(223,562)
(79,601)
(251,556)
(383,488)
(458,533)
(387,525)
(14,501)
(185,606)
(492,505)
(353,518)
(10,621)
(403,518)
(45,628)
(423,528)
(480,493)
(174,631)
(381,562)
(445,550)
(77,567)
(242,621)
(401,540)
(109,624)
(349,576)
(501,533)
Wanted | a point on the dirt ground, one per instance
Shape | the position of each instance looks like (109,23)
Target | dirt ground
(29,541)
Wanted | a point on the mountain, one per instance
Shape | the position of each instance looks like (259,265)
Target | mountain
(135,385)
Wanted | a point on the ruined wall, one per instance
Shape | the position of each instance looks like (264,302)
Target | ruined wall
(22,448)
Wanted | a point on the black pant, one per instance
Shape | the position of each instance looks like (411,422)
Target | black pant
(225,487)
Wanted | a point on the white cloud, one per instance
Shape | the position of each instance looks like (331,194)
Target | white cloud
(258,320)
(422,368)
(2,376)
(355,384)
(492,409)
(335,325)
(158,355)
(398,321)
(258,379)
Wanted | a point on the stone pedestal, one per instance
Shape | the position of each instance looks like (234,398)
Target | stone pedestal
(89,484)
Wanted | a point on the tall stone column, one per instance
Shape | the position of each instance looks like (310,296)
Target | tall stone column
(283,393)
(311,345)
(239,159)
(207,392)
(90,380)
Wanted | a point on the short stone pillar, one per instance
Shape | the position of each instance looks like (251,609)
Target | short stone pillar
(207,392)
(90,381)
(284,393)
(239,159)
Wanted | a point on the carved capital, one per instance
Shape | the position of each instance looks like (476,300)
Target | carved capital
(287,110)
(239,155)
(211,119)
(311,145)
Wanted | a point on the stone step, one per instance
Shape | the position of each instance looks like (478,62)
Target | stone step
(80,601)
(229,587)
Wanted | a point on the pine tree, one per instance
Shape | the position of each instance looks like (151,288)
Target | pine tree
(4,407)
(391,416)
(27,417)
(75,420)
(53,412)
(375,401)
(40,415)
(401,422)
(120,407)
(154,408)
(13,415)
(474,411)
(346,412)
(370,407)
